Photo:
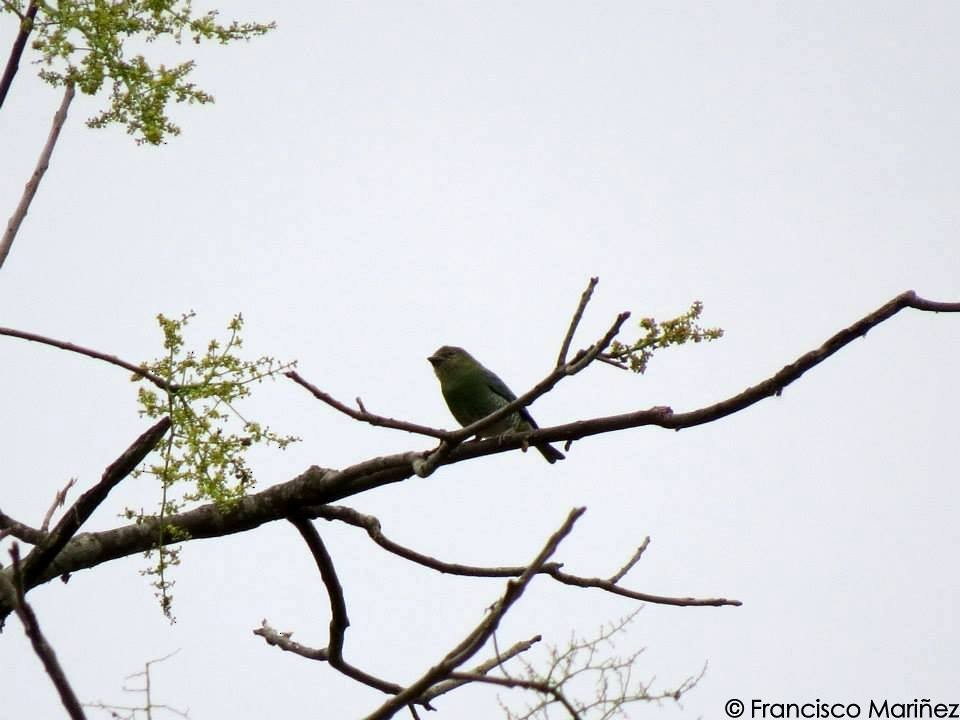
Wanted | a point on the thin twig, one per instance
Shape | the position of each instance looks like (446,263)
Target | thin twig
(16,52)
(618,576)
(42,164)
(575,321)
(483,668)
(539,686)
(58,502)
(40,645)
(95,354)
(362,415)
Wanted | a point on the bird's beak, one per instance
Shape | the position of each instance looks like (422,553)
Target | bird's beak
(434,360)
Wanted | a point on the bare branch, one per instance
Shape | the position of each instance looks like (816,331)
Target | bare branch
(577,316)
(618,576)
(16,52)
(372,526)
(362,415)
(441,688)
(41,556)
(149,706)
(40,645)
(773,386)
(58,502)
(339,622)
(19,530)
(282,640)
(42,164)
(482,632)
(95,354)
(539,686)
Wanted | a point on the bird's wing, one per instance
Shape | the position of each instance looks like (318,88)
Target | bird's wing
(498,387)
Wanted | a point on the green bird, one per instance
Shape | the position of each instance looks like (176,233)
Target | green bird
(472,392)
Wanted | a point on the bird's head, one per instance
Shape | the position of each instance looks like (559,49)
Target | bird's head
(449,360)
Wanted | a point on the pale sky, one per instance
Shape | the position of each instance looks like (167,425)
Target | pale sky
(379,179)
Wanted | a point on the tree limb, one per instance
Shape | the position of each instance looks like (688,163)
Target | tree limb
(319,486)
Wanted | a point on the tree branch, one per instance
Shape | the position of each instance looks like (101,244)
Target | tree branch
(483,668)
(42,555)
(482,632)
(318,486)
(42,164)
(634,559)
(16,52)
(339,622)
(41,647)
(95,354)
(372,526)
(575,321)
(362,415)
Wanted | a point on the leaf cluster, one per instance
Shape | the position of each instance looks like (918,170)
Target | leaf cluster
(87,43)
(657,335)
(204,457)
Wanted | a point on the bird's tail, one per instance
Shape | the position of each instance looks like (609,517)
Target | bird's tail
(549,452)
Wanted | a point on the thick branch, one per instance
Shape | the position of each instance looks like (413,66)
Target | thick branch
(42,164)
(36,563)
(19,530)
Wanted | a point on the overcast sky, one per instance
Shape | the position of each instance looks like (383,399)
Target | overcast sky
(379,179)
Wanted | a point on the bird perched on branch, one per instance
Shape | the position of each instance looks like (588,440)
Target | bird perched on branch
(472,392)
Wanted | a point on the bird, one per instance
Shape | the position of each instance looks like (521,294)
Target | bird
(472,392)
